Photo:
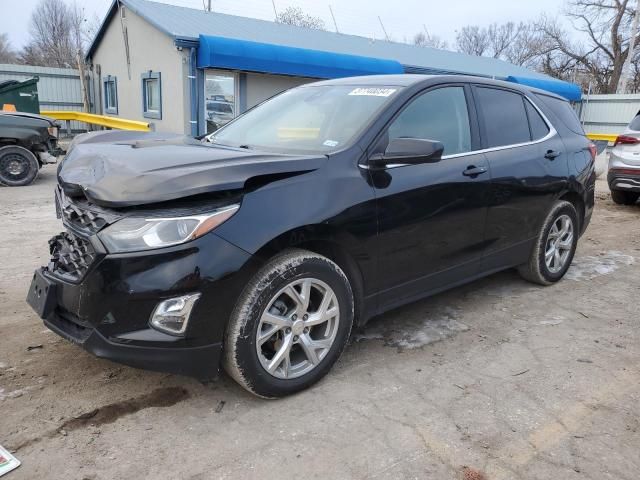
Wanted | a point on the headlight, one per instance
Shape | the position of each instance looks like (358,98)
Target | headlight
(138,233)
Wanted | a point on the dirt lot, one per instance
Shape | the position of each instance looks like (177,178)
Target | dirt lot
(499,379)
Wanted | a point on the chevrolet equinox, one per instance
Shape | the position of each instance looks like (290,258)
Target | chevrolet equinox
(259,247)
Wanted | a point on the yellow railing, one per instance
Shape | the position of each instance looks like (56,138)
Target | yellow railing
(609,137)
(101,120)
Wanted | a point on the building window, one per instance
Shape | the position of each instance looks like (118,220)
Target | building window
(219,98)
(151,95)
(110,94)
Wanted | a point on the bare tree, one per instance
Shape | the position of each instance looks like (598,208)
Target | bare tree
(296,16)
(51,41)
(527,47)
(605,25)
(425,39)
(59,36)
(520,44)
(473,40)
(7,54)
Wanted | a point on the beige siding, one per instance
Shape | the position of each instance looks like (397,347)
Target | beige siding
(150,49)
(260,87)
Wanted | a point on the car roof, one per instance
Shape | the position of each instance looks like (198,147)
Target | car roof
(26,115)
(408,80)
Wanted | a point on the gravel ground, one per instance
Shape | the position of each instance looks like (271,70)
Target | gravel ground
(499,379)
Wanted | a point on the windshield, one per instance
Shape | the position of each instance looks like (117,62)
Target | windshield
(313,119)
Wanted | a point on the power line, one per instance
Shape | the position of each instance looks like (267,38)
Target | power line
(334,19)
(383,29)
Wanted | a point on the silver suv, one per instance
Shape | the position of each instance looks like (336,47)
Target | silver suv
(624,165)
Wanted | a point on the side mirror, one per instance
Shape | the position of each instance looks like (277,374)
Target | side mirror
(410,151)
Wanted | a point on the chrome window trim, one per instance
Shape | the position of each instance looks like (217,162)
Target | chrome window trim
(552,133)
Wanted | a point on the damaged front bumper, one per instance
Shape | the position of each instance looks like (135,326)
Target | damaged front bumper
(103,302)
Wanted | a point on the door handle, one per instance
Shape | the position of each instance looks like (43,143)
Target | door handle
(551,154)
(473,171)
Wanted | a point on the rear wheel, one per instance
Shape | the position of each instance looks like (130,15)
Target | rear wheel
(290,324)
(624,198)
(18,166)
(554,247)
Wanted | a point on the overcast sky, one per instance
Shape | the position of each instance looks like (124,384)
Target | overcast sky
(401,18)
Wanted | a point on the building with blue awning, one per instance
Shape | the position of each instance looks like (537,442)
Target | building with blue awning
(191,71)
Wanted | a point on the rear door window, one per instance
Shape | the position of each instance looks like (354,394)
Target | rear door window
(539,128)
(504,117)
(563,110)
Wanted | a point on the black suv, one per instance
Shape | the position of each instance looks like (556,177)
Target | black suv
(261,246)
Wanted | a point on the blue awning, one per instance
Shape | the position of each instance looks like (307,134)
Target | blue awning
(570,91)
(220,52)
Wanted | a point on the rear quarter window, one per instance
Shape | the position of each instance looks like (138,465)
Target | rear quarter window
(635,123)
(562,109)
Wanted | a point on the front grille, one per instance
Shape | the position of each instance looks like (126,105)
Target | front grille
(81,218)
(71,256)
(80,215)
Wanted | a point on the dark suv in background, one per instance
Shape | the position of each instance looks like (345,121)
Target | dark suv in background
(262,246)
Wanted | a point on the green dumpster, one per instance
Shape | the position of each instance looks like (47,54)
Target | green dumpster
(20,96)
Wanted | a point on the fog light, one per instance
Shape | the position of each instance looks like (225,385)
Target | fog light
(172,315)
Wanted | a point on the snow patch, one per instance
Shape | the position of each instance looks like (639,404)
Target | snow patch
(556,320)
(586,268)
(15,393)
(410,334)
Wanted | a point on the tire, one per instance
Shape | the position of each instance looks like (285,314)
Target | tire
(264,300)
(18,166)
(624,198)
(537,270)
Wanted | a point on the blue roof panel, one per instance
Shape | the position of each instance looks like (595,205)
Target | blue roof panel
(220,52)
(570,91)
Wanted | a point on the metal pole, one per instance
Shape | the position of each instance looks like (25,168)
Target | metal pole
(273,2)
(334,19)
(626,68)
(209,6)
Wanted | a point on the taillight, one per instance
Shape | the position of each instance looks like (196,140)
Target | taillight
(624,171)
(593,150)
(626,140)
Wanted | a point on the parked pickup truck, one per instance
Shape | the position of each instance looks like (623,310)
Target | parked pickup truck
(27,142)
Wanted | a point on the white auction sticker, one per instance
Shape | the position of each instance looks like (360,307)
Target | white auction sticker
(330,143)
(7,461)
(373,92)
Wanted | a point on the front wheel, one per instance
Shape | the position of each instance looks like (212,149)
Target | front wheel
(555,246)
(18,166)
(290,324)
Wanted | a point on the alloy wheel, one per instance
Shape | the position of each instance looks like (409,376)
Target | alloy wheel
(559,244)
(298,328)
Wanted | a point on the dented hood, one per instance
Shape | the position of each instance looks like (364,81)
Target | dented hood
(120,169)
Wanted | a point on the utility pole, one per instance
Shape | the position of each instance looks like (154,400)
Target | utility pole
(334,19)
(626,68)
(383,29)
(275,12)
(209,6)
